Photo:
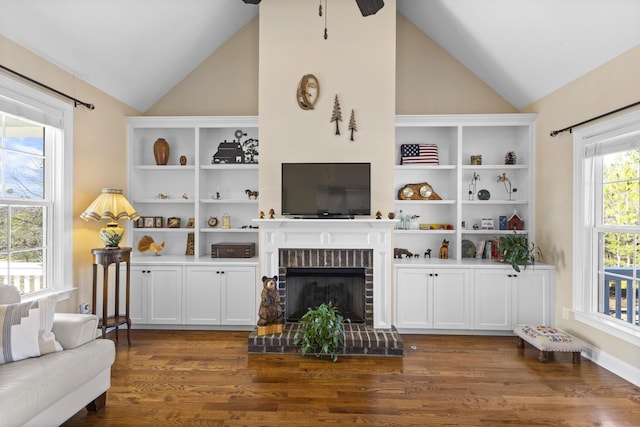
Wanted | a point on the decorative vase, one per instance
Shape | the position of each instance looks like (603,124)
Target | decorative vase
(161,151)
(183,160)
(111,234)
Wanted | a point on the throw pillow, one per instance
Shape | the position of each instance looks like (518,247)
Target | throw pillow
(25,329)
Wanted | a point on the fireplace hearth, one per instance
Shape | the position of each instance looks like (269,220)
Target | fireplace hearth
(322,245)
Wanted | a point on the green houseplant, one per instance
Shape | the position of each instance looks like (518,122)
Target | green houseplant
(321,331)
(516,250)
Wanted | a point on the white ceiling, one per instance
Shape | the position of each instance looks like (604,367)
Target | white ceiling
(137,50)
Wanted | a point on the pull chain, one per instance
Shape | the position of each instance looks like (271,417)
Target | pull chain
(326,12)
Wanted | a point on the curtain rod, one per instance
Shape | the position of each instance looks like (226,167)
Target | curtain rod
(76,101)
(570,128)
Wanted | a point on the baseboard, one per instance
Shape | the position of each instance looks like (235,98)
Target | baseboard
(614,365)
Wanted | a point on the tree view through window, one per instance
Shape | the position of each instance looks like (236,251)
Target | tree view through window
(619,237)
(23,204)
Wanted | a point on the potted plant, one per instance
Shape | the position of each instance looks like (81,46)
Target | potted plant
(321,331)
(516,250)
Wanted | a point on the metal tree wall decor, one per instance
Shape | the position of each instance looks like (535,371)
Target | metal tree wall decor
(336,116)
(352,125)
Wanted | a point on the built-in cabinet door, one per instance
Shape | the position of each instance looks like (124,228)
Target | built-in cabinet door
(202,296)
(238,295)
(492,299)
(531,297)
(164,294)
(137,294)
(451,299)
(413,296)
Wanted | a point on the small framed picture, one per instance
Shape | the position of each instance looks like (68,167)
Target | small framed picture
(148,222)
(191,222)
(139,222)
(487,223)
(158,221)
(173,222)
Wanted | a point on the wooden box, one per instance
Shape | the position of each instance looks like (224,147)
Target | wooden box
(233,250)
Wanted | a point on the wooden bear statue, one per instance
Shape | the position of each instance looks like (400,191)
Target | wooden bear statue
(270,312)
(444,249)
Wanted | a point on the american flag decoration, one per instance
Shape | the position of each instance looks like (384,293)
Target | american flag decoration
(419,154)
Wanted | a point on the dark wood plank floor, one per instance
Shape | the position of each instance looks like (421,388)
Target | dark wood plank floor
(180,378)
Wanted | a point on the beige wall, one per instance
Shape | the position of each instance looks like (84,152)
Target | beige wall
(99,153)
(356,63)
(225,84)
(610,86)
(431,81)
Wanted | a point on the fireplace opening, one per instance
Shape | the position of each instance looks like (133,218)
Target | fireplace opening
(309,287)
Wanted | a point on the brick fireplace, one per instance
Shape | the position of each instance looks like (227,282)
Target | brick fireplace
(328,261)
(327,244)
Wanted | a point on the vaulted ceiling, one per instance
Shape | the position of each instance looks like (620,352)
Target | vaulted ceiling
(523,49)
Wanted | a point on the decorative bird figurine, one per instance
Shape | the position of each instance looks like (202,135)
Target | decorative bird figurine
(147,244)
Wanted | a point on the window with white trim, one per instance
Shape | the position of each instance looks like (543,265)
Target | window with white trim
(607,226)
(35,189)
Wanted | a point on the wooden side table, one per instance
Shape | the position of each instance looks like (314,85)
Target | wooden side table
(105,257)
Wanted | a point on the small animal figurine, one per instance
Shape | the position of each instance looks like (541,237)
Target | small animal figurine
(427,253)
(251,193)
(399,252)
(270,311)
(444,249)
(261,214)
(378,215)
(272,213)
(146,243)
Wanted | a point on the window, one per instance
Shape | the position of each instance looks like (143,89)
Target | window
(607,226)
(35,185)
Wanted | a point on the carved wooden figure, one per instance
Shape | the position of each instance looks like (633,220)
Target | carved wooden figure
(271,318)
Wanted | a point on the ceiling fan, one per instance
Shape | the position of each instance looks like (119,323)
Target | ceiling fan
(367,7)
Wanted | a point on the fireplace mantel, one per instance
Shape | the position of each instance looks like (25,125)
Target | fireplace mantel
(374,234)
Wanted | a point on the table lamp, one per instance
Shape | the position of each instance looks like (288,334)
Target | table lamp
(112,205)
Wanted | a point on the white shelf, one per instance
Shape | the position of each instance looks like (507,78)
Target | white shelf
(425,202)
(181,230)
(198,139)
(229,230)
(165,168)
(166,201)
(424,232)
(492,167)
(495,202)
(229,201)
(494,231)
(424,167)
(230,166)
(459,138)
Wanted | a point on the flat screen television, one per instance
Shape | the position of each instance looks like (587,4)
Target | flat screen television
(326,190)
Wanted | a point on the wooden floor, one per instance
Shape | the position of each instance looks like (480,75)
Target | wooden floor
(199,378)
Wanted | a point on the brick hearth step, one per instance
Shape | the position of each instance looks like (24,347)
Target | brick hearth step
(359,340)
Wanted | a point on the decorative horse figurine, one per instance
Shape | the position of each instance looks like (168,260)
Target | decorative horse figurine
(251,193)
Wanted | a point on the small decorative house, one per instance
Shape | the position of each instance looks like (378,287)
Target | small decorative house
(515,222)
(229,152)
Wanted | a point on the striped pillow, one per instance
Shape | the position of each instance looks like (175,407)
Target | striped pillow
(25,329)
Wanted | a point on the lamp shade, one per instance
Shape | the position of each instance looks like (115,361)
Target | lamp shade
(113,206)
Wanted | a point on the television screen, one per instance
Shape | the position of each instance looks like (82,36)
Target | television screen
(326,190)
